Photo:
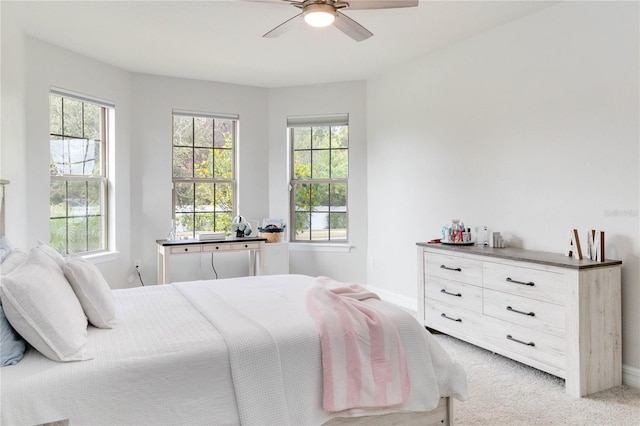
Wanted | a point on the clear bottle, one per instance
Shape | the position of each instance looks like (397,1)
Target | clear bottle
(172,232)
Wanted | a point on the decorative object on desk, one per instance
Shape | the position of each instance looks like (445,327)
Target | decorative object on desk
(272,230)
(595,245)
(172,232)
(240,226)
(456,233)
(277,223)
(210,236)
(573,245)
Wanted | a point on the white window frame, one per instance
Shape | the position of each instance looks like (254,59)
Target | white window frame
(315,121)
(107,116)
(232,181)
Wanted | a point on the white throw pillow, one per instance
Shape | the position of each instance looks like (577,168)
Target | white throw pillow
(41,306)
(92,291)
(5,248)
(15,259)
(52,253)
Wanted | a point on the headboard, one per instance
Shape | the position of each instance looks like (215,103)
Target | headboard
(3,183)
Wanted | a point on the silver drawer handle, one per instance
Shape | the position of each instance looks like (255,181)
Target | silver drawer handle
(530,283)
(450,269)
(510,337)
(531,314)
(449,318)
(450,294)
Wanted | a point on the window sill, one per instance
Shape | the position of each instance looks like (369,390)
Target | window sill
(326,247)
(108,256)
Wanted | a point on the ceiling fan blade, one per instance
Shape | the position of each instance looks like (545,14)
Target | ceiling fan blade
(282,28)
(351,27)
(380,4)
(294,2)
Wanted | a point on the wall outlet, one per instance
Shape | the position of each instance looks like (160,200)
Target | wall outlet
(137,264)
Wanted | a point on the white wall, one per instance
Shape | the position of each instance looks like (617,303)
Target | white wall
(153,99)
(347,97)
(13,158)
(531,129)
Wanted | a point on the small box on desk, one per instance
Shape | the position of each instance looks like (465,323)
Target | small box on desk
(204,236)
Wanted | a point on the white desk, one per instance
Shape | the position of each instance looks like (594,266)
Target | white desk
(179,247)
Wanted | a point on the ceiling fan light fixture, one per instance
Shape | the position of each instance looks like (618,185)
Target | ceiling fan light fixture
(319,15)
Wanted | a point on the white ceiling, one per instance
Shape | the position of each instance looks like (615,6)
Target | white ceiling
(222,40)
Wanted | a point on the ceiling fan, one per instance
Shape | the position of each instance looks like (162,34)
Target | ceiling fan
(322,13)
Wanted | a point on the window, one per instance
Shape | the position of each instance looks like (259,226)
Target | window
(319,178)
(204,184)
(78,185)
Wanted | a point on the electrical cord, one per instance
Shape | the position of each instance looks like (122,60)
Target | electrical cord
(139,276)
(213,267)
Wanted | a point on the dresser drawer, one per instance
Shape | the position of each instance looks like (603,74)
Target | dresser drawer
(455,293)
(185,249)
(216,247)
(535,345)
(547,286)
(453,268)
(451,319)
(524,311)
(245,246)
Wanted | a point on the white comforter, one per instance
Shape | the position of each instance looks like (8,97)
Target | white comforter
(242,350)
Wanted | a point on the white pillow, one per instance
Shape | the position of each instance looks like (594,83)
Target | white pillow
(15,259)
(92,291)
(52,253)
(5,248)
(41,306)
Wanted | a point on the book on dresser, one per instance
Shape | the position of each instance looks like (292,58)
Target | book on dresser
(210,236)
(552,312)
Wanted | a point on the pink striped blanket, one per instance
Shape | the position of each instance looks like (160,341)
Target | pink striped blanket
(363,361)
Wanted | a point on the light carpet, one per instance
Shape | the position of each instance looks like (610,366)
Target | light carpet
(506,392)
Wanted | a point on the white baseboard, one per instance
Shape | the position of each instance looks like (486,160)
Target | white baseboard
(630,375)
(407,303)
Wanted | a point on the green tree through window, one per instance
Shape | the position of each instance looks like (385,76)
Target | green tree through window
(203,173)
(319,183)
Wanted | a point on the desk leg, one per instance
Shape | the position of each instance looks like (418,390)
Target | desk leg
(163,265)
(252,262)
(159,264)
(261,258)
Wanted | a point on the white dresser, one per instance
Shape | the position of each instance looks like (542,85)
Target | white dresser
(552,312)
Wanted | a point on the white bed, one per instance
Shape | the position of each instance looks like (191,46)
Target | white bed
(220,352)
